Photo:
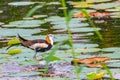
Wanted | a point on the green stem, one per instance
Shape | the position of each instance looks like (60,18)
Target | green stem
(67,17)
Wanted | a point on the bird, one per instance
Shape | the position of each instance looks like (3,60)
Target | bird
(38,45)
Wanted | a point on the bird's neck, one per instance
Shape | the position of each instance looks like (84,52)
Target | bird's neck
(49,40)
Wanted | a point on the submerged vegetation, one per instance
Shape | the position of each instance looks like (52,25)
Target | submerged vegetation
(86,46)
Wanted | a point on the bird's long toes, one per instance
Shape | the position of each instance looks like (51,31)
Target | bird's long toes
(37,58)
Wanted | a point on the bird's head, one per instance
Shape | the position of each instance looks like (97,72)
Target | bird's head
(49,38)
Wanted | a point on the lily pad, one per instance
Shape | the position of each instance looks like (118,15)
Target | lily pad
(96,1)
(26,23)
(54,3)
(4,60)
(1,23)
(80,4)
(86,29)
(59,19)
(13,42)
(72,25)
(39,16)
(89,50)
(1,11)
(106,5)
(49,78)
(22,3)
(23,74)
(4,55)
(114,9)
(114,55)
(81,45)
(27,62)
(110,49)
(14,51)
(114,64)
(14,32)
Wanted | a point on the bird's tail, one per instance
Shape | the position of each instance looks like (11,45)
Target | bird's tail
(21,38)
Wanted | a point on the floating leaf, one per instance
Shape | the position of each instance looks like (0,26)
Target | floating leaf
(72,25)
(85,50)
(54,3)
(13,41)
(91,60)
(80,4)
(114,9)
(22,3)
(91,76)
(93,15)
(26,23)
(23,74)
(4,60)
(110,49)
(59,19)
(94,65)
(105,5)
(27,62)
(1,23)
(14,51)
(14,32)
(1,11)
(82,47)
(39,16)
(96,1)
(113,55)
(4,55)
(84,29)
(94,76)
(49,78)
(51,58)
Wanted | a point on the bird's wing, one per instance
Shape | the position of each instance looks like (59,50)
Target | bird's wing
(39,45)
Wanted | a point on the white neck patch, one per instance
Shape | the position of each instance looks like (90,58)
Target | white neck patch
(51,40)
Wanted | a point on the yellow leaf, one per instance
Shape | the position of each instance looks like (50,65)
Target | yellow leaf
(14,51)
(95,76)
(81,4)
(99,75)
(13,41)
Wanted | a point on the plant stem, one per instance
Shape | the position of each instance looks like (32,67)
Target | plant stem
(67,17)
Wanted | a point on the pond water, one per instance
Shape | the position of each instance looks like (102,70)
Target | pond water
(35,19)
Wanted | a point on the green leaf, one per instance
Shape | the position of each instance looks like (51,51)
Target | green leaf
(3,60)
(51,58)
(91,76)
(33,10)
(28,62)
(21,3)
(105,5)
(55,49)
(108,70)
(14,32)
(25,23)
(23,74)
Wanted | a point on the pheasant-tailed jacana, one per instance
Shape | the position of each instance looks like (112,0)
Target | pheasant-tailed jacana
(38,45)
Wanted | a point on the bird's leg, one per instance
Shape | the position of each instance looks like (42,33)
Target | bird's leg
(34,57)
